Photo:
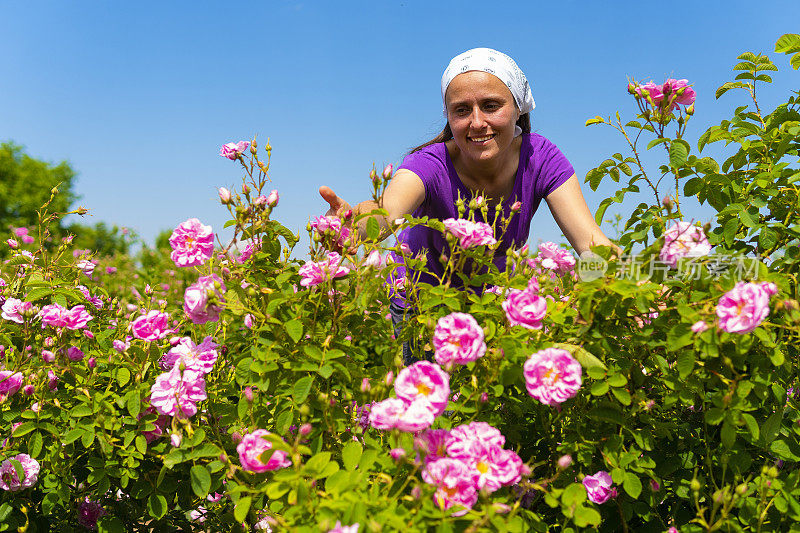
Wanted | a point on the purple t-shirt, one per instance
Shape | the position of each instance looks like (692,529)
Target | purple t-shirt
(542,169)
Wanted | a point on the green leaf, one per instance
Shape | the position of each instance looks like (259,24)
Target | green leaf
(373,228)
(715,416)
(728,434)
(325,371)
(201,480)
(685,363)
(72,436)
(302,388)
(767,239)
(110,524)
(586,516)
(617,380)
(81,411)
(318,462)
(35,443)
(622,395)
(37,293)
(23,429)
(574,494)
(693,186)
(678,153)
(728,86)
(752,425)
(157,506)
(242,508)
(599,388)
(656,142)
(586,359)
(351,454)
(771,427)
(123,376)
(596,120)
(781,448)
(632,485)
(608,414)
(294,328)
(788,43)
(729,230)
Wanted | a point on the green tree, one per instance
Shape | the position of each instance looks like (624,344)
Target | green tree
(26,184)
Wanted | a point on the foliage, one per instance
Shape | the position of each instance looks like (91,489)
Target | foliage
(698,430)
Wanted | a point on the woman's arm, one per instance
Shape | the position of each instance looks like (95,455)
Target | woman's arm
(572,215)
(402,196)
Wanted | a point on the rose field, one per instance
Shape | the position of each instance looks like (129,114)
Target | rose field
(208,387)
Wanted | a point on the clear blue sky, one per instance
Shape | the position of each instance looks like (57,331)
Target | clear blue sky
(138,97)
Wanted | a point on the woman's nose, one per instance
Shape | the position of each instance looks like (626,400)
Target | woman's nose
(478,119)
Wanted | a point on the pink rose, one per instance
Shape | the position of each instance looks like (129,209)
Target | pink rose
(246,253)
(315,273)
(470,233)
(330,226)
(197,300)
(253,446)
(699,327)
(462,439)
(493,467)
(233,150)
(160,423)
(654,91)
(339,528)
(454,483)
(13,309)
(198,357)
(685,95)
(743,308)
(74,353)
(552,257)
(433,444)
(89,512)
(85,266)
(176,393)
(10,481)
(192,243)
(10,382)
(525,308)
(19,232)
(683,240)
(424,380)
(151,327)
(458,339)
(598,487)
(224,195)
(385,414)
(272,198)
(416,416)
(76,318)
(552,376)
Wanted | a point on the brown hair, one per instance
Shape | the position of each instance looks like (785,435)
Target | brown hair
(523,122)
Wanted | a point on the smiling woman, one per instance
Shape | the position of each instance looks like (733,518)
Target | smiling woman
(485,149)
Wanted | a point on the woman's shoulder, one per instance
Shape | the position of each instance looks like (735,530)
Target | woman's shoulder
(538,143)
(430,158)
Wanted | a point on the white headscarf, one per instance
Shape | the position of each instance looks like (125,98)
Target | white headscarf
(499,65)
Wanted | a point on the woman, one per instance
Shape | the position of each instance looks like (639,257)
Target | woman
(485,149)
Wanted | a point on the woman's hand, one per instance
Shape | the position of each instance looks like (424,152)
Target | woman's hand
(337,205)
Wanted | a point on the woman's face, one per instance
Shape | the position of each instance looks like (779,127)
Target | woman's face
(482,113)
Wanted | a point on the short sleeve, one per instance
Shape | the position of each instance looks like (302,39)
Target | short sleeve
(554,171)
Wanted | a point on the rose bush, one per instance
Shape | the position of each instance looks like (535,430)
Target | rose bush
(234,394)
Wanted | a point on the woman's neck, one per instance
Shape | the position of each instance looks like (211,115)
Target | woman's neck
(494,176)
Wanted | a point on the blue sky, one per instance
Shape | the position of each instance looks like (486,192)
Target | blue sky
(138,97)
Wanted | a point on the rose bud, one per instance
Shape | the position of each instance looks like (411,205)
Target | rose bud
(224,195)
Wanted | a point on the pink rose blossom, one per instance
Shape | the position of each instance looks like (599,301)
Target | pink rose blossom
(85,266)
(176,393)
(248,321)
(397,453)
(233,150)
(198,357)
(470,233)
(461,440)
(246,253)
(10,481)
(121,346)
(253,446)
(48,356)
(27,239)
(52,380)
(681,240)
(331,226)
(260,200)
(386,413)
(192,243)
(743,308)
(654,91)
(224,195)
(525,308)
(433,444)
(687,94)
(96,302)
(455,485)
(598,487)
(417,416)
(699,326)
(19,232)
(339,528)
(315,273)
(13,309)
(552,376)
(272,198)
(375,260)
(74,353)
(76,318)
(458,339)
(424,380)
(10,382)
(89,512)
(196,302)
(493,467)
(151,327)
(12,243)
(554,258)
